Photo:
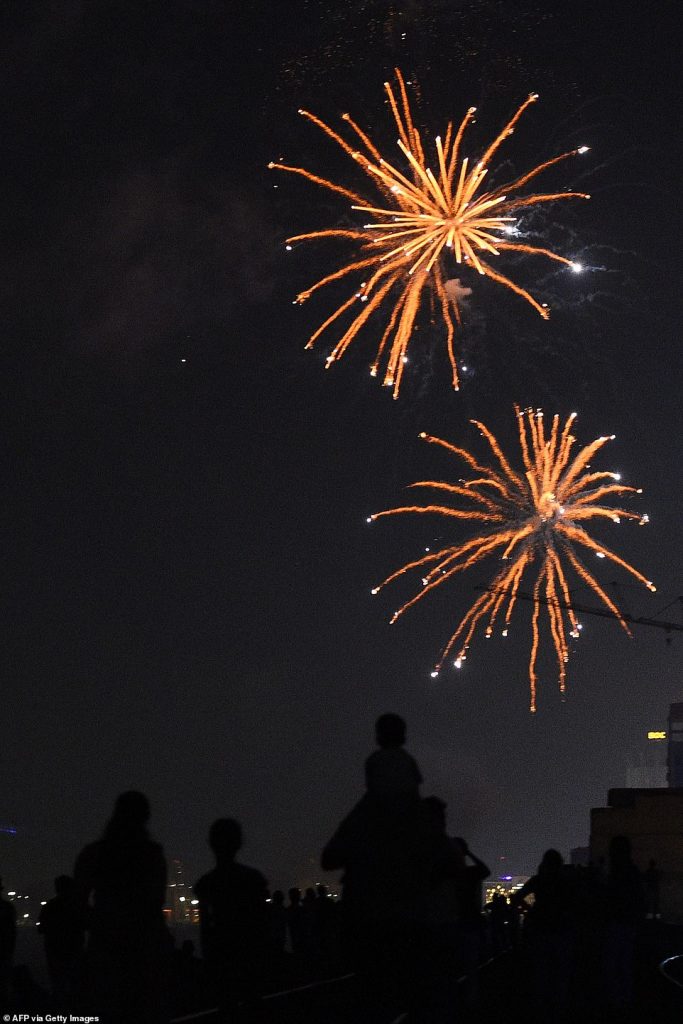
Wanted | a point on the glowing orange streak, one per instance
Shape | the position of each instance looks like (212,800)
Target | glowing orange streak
(581,537)
(550,197)
(412,130)
(591,511)
(581,460)
(508,129)
(517,537)
(515,288)
(566,442)
(600,492)
(553,443)
(450,330)
(457,200)
(395,366)
(436,580)
(471,255)
(519,182)
(395,313)
(336,276)
(481,241)
(533,678)
(592,478)
(484,547)
(496,449)
(369,307)
(443,173)
(517,247)
(397,359)
(471,619)
(588,578)
(337,313)
(417,564)
(403,189)
(552,554)
(447,140)
(470,187)
(476,612)
(536,421)
(465,455)
(317,180)
(443,510)
(519,567)
(367,142)
(437,191)
(330,132)
(492,479)
(455,152)
(395,112)
(485,481)
(521,424)
(422,174)
(331,233)
(556,625)
(394,234)
(429,240)
(454,489)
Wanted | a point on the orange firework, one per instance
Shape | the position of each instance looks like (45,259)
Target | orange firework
(422,218)
(533,517)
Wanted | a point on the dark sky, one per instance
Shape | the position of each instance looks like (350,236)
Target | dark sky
(185,598)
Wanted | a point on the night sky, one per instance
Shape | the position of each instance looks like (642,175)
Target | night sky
(186,599)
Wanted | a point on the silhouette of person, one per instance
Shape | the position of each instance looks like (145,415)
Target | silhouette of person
(8,939)
(61,924)
(122,877)
(277,918)
(296,923)
(27,994)
(325,915)
(498,915)
(624,911)
(468,884)
(311,937)
(233,921)
(551,934)
(393,860)
(187,977)
(391,773)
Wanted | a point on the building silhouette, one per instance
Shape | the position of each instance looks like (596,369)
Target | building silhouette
(675,746)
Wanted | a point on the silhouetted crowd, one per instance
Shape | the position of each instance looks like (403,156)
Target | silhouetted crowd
(409,926)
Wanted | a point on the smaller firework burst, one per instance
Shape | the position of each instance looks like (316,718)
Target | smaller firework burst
(533,519)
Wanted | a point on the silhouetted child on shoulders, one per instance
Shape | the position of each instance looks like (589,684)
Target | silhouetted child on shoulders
(392,776)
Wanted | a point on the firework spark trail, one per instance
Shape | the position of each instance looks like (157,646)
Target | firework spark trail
(423,219)
(532,518)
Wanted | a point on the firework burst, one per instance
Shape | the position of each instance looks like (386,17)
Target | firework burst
(422,221)
(534,519)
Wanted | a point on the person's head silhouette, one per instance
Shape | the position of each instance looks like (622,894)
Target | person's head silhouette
(390,731)
(551,864)
(130,817)
(63,885)
(225,838)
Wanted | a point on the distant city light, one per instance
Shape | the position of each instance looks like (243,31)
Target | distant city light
(656,734)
